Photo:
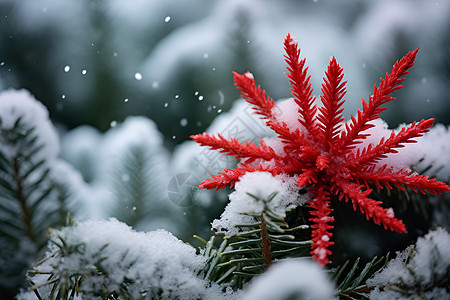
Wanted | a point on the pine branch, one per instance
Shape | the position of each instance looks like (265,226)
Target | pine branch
(351,283)
(24,183)
(420,271)
(88,260)
(132,187)
(250,252)
(31,199)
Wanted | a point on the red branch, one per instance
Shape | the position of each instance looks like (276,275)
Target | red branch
(235,148)
(330,115)
(321,217)
(370,111)
(253,94)
(373,154)
(319,153)
(301,88)
(371,208)
(402,178)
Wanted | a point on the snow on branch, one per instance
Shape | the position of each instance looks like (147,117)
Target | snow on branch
(108,258)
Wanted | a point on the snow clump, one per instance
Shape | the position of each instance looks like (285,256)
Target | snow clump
(293,279)
(417,269)
(20,104)
(155,262)
(259,185)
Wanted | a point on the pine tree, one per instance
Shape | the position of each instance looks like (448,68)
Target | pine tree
(33,194)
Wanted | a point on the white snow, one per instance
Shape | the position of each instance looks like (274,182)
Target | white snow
(428,263)
(16,104)
(261,185)
(135,130)
(249,75)
(154,261)
(99,157)
(287,112)
(71,181)
(432,148)
(390,212)
(296,279)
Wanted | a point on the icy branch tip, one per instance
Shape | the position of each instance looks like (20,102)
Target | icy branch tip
(249,75)
(292,39)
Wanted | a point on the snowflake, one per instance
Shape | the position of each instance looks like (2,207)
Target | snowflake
(322,150)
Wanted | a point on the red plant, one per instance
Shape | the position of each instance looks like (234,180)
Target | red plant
(322,151)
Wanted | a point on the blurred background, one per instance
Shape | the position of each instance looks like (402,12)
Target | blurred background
(95,62)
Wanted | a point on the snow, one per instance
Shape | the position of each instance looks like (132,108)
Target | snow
(240,122)
(430,149)
(249,75)
(296,279)
(427,264)
(287,112)
(390,212)
(154,261)
(261,185)
(434,148)
(102,160)
(16,104)
(135,130)
(71,184)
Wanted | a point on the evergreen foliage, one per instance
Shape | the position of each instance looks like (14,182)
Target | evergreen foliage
(251,251)
(135,187)
(351,282)
(31,201)
(85,260)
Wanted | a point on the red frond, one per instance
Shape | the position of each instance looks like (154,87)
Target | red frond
(320,205)
(234,147)
(330,115)
(381,95)
(301,88)
(229,177)
(403,178)
(369,207)
(307,177)
(293,140)
(321,154)
(254,95)
(226,178)
(372,154)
